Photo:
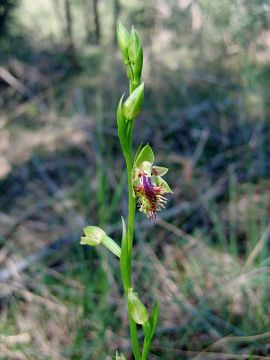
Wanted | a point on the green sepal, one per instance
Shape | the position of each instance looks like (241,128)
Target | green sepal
(124,258)
(146,154)
(122,128)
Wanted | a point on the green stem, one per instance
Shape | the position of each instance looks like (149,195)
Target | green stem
(131,200)
(147,340)
(131,211)
(131,218)
(134,337)
(146,349)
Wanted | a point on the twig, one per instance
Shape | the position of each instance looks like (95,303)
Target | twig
(13,81)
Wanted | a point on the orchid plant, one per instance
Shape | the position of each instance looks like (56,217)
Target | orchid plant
(146,187)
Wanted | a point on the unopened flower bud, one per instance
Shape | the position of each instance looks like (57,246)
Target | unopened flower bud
(138,311)
(135,54)
(134,45)
(93,236)
(132,106)
(123,40)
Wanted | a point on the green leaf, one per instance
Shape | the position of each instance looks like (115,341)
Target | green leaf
(153,320)
(147,331)
(146,154)
(124,258)
(122,128)
(148,339)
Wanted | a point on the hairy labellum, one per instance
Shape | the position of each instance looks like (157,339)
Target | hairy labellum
(150,197)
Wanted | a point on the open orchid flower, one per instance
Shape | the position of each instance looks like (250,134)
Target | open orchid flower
(150,188)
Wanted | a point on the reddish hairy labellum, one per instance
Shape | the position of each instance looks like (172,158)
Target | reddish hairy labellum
(150,197)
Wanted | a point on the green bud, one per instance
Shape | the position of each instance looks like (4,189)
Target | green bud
(132,106)
(135,54)
(123,40)
(137,309)
(134,45)
(93,236)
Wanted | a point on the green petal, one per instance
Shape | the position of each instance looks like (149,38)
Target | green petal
(159,170)
(162,183)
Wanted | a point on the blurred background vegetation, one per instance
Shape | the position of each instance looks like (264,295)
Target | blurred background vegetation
(206,114)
